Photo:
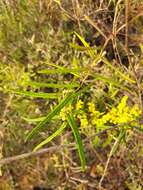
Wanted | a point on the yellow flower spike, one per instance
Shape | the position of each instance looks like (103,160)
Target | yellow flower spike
(91,107)
(70,108)
(113,111)
(135,111)
(106,117)
(63,114)
(122,104)
(117,115)
(83,120)
(99,123)
(65,111)
(79,105)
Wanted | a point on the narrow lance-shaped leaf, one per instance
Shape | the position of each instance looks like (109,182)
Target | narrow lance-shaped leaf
(38,119)
(52,85)
(38,94)
(80,148)
(62,71)
(81,48)
(91,52)
(124,76)
(54,112)
(110,81)
(31,120)
(50,138)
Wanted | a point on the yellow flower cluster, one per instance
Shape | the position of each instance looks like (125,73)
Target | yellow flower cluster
(79,105)
(83,120)
(93,121)
(117,115)
(120,114)
(81,115)
(94,114)
(65,111)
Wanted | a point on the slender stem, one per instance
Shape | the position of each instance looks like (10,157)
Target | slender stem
(127,12)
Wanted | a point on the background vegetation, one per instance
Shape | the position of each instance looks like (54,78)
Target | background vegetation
(71,77)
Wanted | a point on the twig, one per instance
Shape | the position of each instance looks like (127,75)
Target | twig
(44,150)
(107,163)
(127,12)
(4,123)
(36,153)
(57,147)
(95,26)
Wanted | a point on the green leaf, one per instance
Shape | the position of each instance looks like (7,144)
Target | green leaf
(90,51)
(50,115)
(110,81)
(80,147)
(31,120)
(62,70)
(81,48)
(52,85)
(50,138)
(38,94)
(37,119)
(125,77)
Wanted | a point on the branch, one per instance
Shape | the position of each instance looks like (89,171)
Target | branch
(8,160)
(35,153)
(46,150)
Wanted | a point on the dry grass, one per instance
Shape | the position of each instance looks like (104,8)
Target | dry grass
(35,34)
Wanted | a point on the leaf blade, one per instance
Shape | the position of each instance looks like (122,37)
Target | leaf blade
(51,137)
(38,94)
(50,115)
(90,51)
(125,77)
(52,85)
(80,148)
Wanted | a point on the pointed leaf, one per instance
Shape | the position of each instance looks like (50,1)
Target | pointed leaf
(52,85)
(38,94)
(50,138)
(54,112)
(90,51)
(76,133)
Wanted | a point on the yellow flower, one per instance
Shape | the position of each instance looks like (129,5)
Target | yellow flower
(79,105)
(135,111)
(63,114)
(95,115)
(91,107)
(125,118)
(122,104)
(83,120)
(65,111)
